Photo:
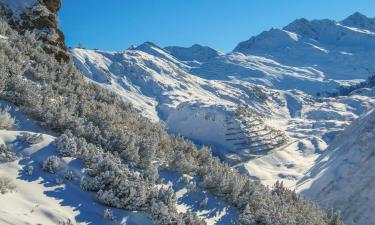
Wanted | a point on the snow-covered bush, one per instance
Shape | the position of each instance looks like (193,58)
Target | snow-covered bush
(7,154)
(191,187)
(68,175)
(6,185)
(29,138)
(6,119)
(51,164)
(30,170)
(185,179)
(67,222)
(152,173)
(203,203)
(59,180)
(108,215)
(66,144)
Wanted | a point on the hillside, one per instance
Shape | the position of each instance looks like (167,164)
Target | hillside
(120,160)
(341,177)
(40,196)
(206,111)
(263,108)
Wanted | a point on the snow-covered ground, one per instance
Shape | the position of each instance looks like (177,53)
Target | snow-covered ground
(343,176)
(41,198)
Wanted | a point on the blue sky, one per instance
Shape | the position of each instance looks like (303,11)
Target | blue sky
(221,24)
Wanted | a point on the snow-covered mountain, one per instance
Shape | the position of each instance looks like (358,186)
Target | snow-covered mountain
(338,50)
(162,89)
(343,176)
(360,21)
(261,107)
(292,126)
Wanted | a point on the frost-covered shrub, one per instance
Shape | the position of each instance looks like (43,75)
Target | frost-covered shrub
(59,180)
(191,187)
(66,144)
(68,175)
(6,120)
(151,173)
(203,203)
(6,185)
(51,164)
(89,184)
(7,154)
(129,195)
(185,179)
(67,222)
(108,215)
(192,219)
(30,138)
(30,170)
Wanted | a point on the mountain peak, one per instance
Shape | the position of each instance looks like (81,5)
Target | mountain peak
(194,53)
(147,44)
(310,28)
(273,38)
(356,16)
(361,21)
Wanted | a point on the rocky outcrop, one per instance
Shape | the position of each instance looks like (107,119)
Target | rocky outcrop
(47,24)
(40,18)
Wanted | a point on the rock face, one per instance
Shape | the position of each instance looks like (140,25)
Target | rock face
(40,18)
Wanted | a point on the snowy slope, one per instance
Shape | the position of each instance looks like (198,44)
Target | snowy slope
(313,125)
(201,100)
(343,176)
(267,72)
(339,50)
(162,88)
(39,199)
(159,87)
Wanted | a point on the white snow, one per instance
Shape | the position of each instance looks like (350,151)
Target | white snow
(38,199)
(342,177)
(319,45)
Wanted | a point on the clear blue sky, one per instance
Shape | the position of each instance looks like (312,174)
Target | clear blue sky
(221,24)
